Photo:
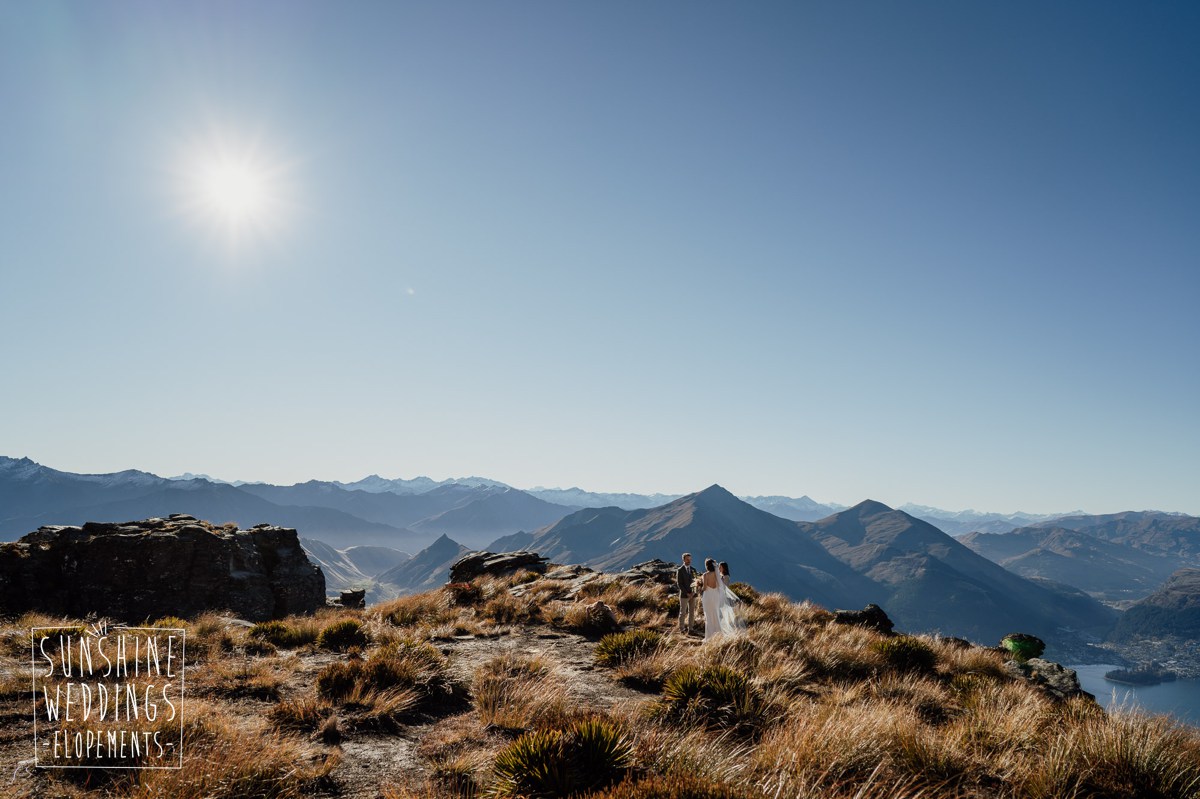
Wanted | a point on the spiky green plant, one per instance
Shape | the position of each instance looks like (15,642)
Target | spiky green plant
(617,648)
(590,754)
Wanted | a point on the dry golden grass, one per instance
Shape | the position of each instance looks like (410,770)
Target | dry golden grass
(216,747)
(832,712)
(516,692)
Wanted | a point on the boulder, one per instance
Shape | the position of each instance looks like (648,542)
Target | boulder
(478,564)
(353,598)
(872,617)
(601,618)
(1054,680)
(178,566)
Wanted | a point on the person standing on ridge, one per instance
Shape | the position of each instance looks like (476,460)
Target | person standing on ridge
(686,577)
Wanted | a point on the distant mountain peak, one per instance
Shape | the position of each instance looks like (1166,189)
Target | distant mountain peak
(716,492)
(870,506)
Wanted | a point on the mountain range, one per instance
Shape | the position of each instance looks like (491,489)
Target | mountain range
(1118,558)
(405,514)
(868,553)
(1015,572)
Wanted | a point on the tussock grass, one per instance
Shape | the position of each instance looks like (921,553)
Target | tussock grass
(237,677)
(517,692)
(215,743)
(342,635)
(619,648)
(290,634)
(796,707)
(429,609)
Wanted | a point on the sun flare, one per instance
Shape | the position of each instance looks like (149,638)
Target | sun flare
(235,192)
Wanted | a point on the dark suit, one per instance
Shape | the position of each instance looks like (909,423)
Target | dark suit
(687,597)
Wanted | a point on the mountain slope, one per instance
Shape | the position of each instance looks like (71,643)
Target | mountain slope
(221,503)
(936,583)
(1105,569)
(493,512)
(426,570)
(1173,610)
(762,549)
(1169,534)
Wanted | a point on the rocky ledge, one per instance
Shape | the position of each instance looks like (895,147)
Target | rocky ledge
(178,566)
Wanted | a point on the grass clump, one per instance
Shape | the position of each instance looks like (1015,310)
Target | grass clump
(420,609)
(396,681)
(343,635)
(617,648)
(463,594)
(284,634)
(516,692)
(671,786)
(906,653)
(590,754)
(504,608)
(715,696)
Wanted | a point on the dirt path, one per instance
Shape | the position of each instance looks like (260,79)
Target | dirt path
(373,760)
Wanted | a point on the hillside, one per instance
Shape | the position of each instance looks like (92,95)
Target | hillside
(1171,611)
(427,569)
(494,512)
(761,548)
(933,582)
(869,553)
(1169,534)
(509,689)
(1107,570)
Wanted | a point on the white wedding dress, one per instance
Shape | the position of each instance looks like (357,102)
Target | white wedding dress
(710,600)
(729,611)
(720,611)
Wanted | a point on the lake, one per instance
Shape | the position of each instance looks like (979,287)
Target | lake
(1180,699)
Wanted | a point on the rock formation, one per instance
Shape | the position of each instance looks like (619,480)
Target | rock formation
(871,617)
(477,564)
(142,570)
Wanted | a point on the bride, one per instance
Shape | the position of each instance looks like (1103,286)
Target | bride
(720,604)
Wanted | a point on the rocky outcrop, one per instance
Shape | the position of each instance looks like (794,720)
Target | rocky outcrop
(871,617)
(177,566)
(478,564)
(1054,680)
(652,571)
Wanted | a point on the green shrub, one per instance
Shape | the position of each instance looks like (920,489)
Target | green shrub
(1023,646)
(342,635)
(671,605)
(617,648)
(906,653)
(589,755)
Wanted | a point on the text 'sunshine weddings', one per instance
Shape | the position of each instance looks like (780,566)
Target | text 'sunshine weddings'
(111,697)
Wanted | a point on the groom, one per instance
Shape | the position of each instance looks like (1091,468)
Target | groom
(687,594)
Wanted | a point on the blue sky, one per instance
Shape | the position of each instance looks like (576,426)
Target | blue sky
(933,252)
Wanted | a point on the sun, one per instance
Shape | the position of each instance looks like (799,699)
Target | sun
(234,192)
(238,191)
